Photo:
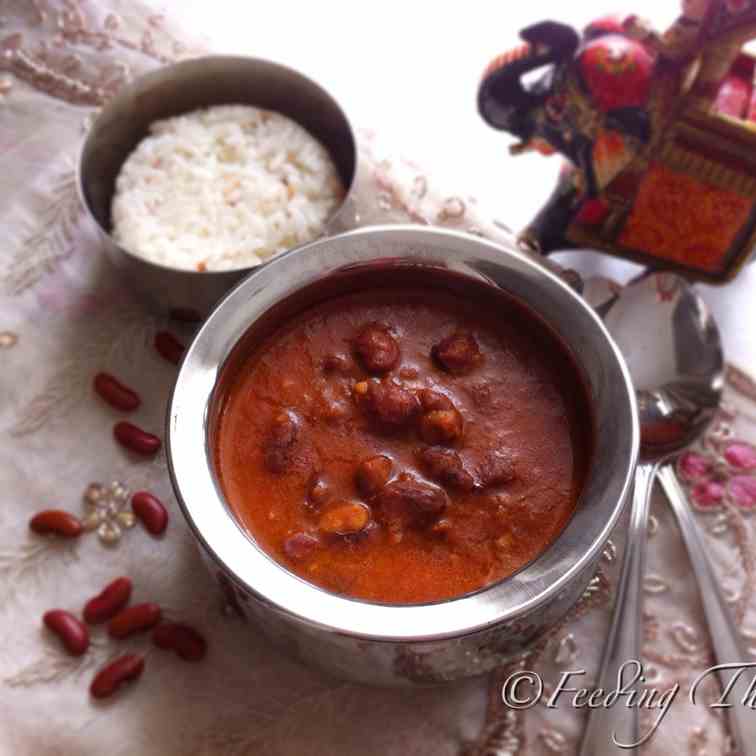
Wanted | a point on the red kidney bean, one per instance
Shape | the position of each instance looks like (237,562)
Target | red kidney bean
(336,363)
(446,466)
(410,501)
(56,522)
(182,639)
(115,393)
(112,676)
(169,347)
(441,426)
(458,353)
(496,468)
(134,619)
(377,348)
(150,511)
(318,491)
(136,440)
(280,442)
(435,401)
(300,546)
(390,404)
(373,474)
(71,631)
(344,518)
(106,604)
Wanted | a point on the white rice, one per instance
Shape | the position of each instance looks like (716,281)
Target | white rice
(223,188)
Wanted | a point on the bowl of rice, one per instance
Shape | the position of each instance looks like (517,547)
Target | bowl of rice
(203,170)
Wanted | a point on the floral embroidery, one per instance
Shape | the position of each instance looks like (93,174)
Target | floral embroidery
(119,333)
(6,84)
(108,511)
(55,666)
(52,240)
(654,584)
(553,740)
(25,562)
(49,70)
(265,729)
(737,6)
(722,473)
(8,339)
(420,187)
(741,382)
(453,208)
(566,651)
(721,470)
(503,731)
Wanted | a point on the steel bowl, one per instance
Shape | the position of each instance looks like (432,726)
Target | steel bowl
(180,88)
(417,644)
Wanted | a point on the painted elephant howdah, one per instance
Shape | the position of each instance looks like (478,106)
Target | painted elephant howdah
(659,132)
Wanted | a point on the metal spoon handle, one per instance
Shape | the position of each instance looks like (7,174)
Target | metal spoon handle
(619,724)
(728,645)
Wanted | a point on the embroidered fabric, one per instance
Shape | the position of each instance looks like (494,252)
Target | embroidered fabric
(65,315)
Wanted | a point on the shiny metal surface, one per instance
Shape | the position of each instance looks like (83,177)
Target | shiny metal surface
(417,644)
(674,353)
(179,88)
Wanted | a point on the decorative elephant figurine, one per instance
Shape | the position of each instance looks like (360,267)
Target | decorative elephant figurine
(661,157)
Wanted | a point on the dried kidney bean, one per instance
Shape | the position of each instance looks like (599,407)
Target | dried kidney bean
(115,393)
(182,639)
(112,676)
(71,631)
(169,347)
(56,522)
(136,440)
(106,604)
(150,511)
(134,619)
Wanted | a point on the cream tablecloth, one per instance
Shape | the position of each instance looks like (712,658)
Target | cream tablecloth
(64,315)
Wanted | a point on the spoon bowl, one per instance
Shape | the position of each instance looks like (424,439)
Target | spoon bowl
(673,349)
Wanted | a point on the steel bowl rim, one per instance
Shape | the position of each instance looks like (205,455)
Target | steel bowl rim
(149,77)
(313,606)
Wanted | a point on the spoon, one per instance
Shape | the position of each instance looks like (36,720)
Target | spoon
(674,354)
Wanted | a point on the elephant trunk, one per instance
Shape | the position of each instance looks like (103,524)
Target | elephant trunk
(504,101)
